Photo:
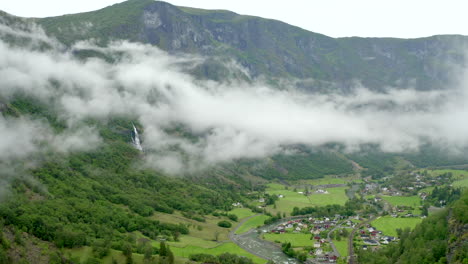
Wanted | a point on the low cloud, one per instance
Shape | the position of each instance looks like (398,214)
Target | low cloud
(226,121)
(21,138)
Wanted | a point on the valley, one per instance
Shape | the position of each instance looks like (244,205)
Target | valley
(146,132)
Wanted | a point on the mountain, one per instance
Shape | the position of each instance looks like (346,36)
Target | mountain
(269,47)
(62,201)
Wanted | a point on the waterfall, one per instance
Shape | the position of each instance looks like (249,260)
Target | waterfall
(136,139)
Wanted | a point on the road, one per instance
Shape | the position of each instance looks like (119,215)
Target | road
(252,243)
(335,250)
(352,257)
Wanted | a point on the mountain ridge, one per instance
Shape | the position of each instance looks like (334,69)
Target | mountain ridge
(268,47)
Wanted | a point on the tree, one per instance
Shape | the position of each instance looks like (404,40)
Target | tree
(170,256)
(148,253)
(176,236)
(127,252)
(162,249)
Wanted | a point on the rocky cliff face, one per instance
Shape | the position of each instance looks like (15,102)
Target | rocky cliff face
(269,47)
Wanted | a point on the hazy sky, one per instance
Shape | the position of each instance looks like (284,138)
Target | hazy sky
(336,18)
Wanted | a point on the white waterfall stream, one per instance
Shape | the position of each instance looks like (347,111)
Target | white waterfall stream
(136,139)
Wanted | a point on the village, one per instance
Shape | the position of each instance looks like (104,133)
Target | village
(386,205)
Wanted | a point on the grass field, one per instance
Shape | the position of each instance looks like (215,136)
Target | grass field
(413,201)
(292,199)
(332,180)
(461,183)
(296,239)
(187,240)
(457,174)
(223,248)
(388,224)
(253,222)
(204,230)
(84,253)
(342,246)
(241,212)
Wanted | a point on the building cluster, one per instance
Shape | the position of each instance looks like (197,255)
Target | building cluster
(306,225)
(370,236)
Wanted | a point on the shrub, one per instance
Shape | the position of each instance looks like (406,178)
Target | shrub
(225,224)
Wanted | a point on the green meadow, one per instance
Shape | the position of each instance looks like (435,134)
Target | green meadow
(342,246)
(413,201)
(253,222)
(461,183)
(241,212)
(457,174)
(388,225)
(293,199)
(228,247)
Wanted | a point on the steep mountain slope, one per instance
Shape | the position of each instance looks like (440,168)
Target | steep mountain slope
(269,47)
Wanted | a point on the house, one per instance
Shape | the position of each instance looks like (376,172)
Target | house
(364,247)
(261,200)
(315,232)
(371,242)
(318,251)
(237,204)
(316,244)
(280,196)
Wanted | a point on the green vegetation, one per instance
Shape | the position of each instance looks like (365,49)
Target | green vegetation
(293,198)
(225,258)
(457,174)
(342,247)
(350,208)
(411,201)
(203,230)
(100,197)
(332,180)
(461,183)
(225,224)
(296,239)
(241,212)
(232,248)
(253,222)
(389,225)
(101,204)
